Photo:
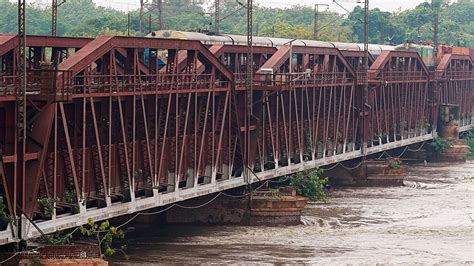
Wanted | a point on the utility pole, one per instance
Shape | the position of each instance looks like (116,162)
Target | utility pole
(382,32)
(366,66)
(142,15)
(436,5)
(216,16)
(153,7)
(365,129)
(149,23)
(316,17)
(54,16)
(128,24)
(160,15)
(249,84)
(21,108)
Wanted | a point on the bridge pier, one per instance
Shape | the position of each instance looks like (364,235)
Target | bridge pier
(455,150)
(375,172)
(267,207)
(223,210)
(456,153)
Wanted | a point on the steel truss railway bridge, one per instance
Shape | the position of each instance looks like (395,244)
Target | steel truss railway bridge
(110,131)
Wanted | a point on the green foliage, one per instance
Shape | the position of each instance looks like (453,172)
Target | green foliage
(273,193)
(85,18)
(105,236)
(35,260)
(383,27)
(4,217)
(48,204)
(310,184)
(441,144)
(394,163)
(71,199)
(59,238)
(470,143)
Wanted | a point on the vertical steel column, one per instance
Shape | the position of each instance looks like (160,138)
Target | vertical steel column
(140,21)
(128,24)
(316,17)
(436,5)
(216,16)
(20,176)
(54,17)
(366,80)
(160,15)
(249,84)
(315,26)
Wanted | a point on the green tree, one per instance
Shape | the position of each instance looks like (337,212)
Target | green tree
(84,18)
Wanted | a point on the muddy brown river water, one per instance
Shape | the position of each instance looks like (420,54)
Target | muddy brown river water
(430,220)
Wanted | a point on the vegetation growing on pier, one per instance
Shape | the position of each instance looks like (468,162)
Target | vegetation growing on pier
(441,144)
(105,236)
(470,143)
(310,184)
(4,217)
(394,163)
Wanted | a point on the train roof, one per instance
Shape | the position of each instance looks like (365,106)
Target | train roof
(231,39)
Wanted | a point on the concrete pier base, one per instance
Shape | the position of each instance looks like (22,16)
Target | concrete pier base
(457,153)
(370,173)
(273,207)
(222,211)
(276,210)
(380,173)
(448,129)
(56,255)
(418,156)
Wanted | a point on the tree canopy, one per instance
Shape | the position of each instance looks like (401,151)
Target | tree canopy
(84,18)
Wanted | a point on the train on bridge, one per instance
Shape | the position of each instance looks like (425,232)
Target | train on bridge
(117,125)
(426,51)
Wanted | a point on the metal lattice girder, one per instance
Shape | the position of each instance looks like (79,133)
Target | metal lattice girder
(162,124)
(101,45)
(304,115)
(399,98)
(21,109)
(151,121)
(455,85)
(9,42)
(356,60)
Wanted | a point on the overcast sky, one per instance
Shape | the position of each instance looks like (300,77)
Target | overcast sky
(385,5)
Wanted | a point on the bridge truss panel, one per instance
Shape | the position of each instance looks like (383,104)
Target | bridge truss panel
(118,125)
(305,109)
(18,188)
(398,98)
(129,127)
(455,82)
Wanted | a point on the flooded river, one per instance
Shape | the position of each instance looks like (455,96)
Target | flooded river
(430,220)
